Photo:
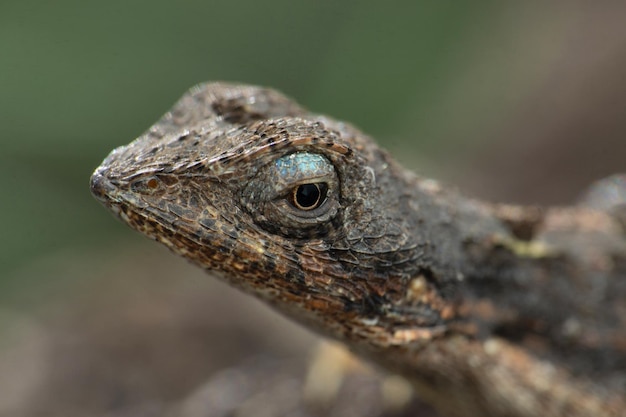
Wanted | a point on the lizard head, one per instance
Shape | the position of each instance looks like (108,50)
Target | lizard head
(298,209)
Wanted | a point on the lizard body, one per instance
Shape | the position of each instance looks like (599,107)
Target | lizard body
(489,310)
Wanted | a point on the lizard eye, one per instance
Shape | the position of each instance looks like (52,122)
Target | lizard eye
(298,195)
(306,177)
(309,196)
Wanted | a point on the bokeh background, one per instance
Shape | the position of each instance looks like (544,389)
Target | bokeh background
(516,101)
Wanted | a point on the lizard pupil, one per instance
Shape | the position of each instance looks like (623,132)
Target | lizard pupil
(309,196)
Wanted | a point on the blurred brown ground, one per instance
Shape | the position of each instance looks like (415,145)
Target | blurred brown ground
(571,129)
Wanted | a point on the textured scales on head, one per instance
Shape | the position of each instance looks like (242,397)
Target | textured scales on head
(488,309)
(215,180)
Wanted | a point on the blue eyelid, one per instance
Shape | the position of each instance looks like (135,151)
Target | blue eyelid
(303,165)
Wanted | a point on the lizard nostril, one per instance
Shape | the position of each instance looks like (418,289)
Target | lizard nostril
(152,183)
(146,185)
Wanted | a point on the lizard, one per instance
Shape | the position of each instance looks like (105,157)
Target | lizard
(487,309)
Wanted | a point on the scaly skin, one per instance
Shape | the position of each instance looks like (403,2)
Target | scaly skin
(489,310)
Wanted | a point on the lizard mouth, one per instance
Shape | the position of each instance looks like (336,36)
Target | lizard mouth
(106,192)
(118,201)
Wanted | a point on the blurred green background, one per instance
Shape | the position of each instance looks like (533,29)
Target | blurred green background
(80,78)
(434,82)
(430,80)
(520,101)
(77,79)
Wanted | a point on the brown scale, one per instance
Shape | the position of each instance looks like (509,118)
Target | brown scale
(489,310)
